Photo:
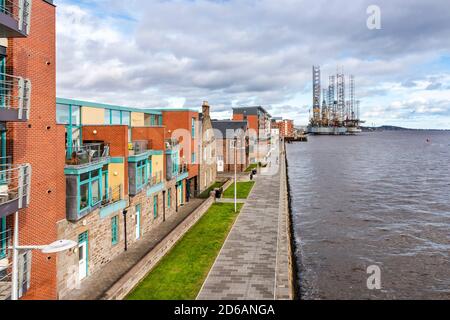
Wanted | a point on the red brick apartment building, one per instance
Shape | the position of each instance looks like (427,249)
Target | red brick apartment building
(32,184)
(183,125)
(285,126)
(259,126)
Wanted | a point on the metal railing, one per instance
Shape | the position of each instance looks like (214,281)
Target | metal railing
(19,10)
(86,154)
(5,265)
(15,93)
(157,178)
(15,183)
(183,169)
(115,194)
(139,146)
(171,143)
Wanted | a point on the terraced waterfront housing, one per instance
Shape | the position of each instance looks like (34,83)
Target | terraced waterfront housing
(117,181)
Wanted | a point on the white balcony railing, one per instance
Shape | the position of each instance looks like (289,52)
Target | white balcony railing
(15,94)
(15,185)
(20,11)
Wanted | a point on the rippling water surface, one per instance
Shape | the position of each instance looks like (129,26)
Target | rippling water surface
(374,199)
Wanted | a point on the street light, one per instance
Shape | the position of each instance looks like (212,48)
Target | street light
(235,171)
(55,247)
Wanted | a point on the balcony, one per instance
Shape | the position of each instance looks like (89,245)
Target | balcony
(139,147)
(15,93)
(114,195)
(84,156)
(171,144)
(15,187)
(15,16)
(5,265)
(156,183)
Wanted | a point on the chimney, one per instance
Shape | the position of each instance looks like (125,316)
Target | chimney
(205,109)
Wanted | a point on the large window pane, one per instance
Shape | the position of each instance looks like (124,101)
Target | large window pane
(84,196)
(107,116)
(115,117)
(126,119)
(147,120)
(62,114)
(95,192)
(76,116)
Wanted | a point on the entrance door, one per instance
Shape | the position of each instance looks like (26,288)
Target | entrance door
(138,222)
(82,256)
(220,165)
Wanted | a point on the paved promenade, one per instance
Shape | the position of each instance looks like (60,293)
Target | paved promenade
(246,266)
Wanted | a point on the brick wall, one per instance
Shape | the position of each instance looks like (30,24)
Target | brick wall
(41,143)
(117,139)
(175,120)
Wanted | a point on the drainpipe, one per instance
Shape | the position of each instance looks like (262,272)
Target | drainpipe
(125,227)
(164,206)
(176,197)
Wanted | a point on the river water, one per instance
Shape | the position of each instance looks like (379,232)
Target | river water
(377,199)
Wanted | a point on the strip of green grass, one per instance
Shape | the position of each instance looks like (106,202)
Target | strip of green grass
(251,167)
(205,194)
(181,273)
(243,190)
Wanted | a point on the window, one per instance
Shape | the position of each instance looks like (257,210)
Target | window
(147,120)
(105,190)
(107,116)
(96,194)
(84,196)
(3,237)
(76,116)
(115,117)
(91,189)
(115,230)
(62,114)
(155,207)
(169,195)
(126,119)
(152,120)
(193,128)
(141,174)
(193,158)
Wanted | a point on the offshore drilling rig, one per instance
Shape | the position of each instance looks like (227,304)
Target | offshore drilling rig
(336,115)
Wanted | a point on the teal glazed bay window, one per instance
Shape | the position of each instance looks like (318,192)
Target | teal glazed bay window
(85,192)
(139,172)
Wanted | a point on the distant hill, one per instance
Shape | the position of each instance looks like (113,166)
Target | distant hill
(394,128)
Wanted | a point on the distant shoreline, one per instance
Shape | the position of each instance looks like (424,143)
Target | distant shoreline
(394,128)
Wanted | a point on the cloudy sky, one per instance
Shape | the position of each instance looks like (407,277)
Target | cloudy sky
(164,53)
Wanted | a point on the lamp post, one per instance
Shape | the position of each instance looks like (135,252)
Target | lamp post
(235,174)
(55,247)
(235,170)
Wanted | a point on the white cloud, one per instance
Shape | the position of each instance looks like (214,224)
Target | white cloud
(170,53)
